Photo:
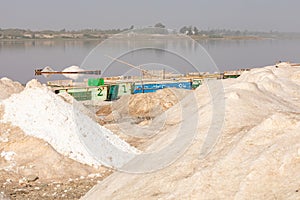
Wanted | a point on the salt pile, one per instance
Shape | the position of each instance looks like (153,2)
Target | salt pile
(152,104)
(72,69)
(256,157)
(144,105)
(42,114)
(9,87)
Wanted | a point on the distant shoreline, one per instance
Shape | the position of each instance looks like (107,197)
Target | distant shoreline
(52,39)
(15,34)
(197,38)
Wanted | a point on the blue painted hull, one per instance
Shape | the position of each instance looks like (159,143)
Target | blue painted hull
(153,87)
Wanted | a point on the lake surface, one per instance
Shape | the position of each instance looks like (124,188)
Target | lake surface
(18,59)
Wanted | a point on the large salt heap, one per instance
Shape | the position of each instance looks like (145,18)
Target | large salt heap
(257,155)
(42,114)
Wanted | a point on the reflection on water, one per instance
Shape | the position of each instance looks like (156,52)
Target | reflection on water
(182,54)
(46,43)
(232,54)
(18,59)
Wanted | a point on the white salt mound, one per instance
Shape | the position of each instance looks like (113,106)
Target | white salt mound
(42,114)
(72,69)
(257,155)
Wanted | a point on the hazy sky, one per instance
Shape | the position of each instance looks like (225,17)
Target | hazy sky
(260,15)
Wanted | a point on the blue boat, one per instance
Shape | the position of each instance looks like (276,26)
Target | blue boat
(153,87)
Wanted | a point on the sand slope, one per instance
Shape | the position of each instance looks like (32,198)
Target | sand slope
(257,155)
(27,155)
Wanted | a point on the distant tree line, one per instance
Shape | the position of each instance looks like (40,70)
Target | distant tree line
(63,33)
(193,30)
(161,29)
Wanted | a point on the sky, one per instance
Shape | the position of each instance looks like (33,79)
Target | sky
(252,15)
